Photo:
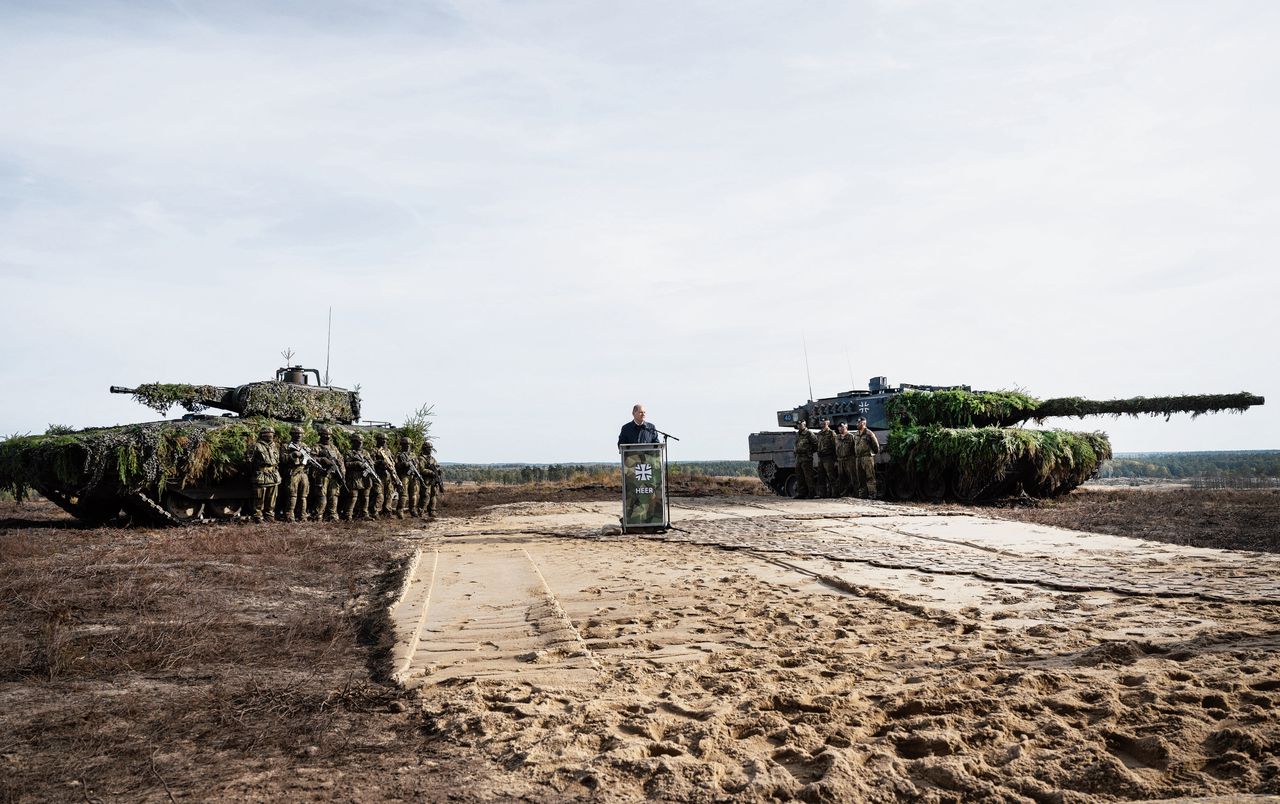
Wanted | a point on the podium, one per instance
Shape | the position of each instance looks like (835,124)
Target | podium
(644,488)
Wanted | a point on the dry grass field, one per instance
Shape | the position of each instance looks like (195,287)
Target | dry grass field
(251,662)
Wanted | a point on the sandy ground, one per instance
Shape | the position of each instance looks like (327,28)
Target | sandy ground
(834,650)
(763,649)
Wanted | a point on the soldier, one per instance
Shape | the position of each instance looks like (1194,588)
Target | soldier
(385,463)
(865,447)
(293,466)
(845,458)
(361,477)
(328,478)
(806,445)
(407,467)
(827,460)
(264,458)
(434,479)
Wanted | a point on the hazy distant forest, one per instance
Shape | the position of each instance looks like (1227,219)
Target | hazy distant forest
(1234,466)
(1179,465)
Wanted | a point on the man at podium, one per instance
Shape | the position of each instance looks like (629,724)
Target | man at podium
(637,431)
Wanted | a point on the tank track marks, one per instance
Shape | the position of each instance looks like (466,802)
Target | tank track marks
(484,610)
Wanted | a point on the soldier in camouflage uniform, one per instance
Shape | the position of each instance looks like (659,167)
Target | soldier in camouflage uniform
(434,478)
(845,458)
(806,446)
(865,447)
(326,478)
(390,484)
(361,477)
(407,467)
(293,466)
(827,479)
(264,458)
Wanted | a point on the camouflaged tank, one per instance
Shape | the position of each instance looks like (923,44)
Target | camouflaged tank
(181,470)
(953,442)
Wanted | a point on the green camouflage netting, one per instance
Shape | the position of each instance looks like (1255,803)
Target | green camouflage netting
(160,397)
(957,408)
(984,462)
(281,400)
(114,461)
(275,400)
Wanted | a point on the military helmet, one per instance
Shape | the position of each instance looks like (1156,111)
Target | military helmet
(356,438)
(381,438)
(323,432)
(266,431)
(404,439)
(427,446)
(295,430)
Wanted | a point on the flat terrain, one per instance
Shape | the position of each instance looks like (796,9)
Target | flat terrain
(821,650)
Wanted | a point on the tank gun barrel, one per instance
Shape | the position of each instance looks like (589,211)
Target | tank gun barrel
(963,408)
(1195,404)
(162,396)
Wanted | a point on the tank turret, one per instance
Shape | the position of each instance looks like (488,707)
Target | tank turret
(289,397)
(954,441)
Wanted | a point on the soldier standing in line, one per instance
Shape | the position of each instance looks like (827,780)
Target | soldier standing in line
(434,478)
(407,466)
(845,458)
(827,479)
(865,447)
(390,483)
(361,477)
(293,466)
(264,458)
(327,478)
(806,445)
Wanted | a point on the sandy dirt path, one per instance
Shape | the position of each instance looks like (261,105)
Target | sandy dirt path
(837,650)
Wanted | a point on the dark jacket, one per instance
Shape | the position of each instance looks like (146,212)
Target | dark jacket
(633,433)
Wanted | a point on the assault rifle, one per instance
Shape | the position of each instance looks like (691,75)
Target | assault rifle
(414,470)
(334,468)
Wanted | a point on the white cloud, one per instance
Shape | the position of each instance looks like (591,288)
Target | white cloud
(534,215)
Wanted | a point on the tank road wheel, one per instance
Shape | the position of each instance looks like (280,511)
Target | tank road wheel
(791,486)
(933,487)
(181,508)
(968,488)
(902,486)
(222,509)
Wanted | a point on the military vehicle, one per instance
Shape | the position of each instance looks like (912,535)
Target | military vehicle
(940,441)
(182,470)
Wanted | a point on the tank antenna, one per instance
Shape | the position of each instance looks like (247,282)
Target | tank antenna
(849,365)
(328,339)
(805,343)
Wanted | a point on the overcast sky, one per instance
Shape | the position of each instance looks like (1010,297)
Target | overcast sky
(533,214)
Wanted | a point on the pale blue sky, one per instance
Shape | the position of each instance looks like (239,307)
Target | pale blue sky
(532,215)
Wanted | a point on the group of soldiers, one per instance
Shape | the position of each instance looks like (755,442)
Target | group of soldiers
(366,484)
(846,461)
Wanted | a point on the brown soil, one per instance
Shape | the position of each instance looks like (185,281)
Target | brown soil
(1234,519)
(250,662)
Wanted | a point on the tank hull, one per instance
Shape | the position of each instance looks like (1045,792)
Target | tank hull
(158,473)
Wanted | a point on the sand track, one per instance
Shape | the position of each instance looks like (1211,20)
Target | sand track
(829,650)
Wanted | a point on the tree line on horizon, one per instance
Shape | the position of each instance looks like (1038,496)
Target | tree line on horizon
(1157,465)
(1182,465)
(513,474)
